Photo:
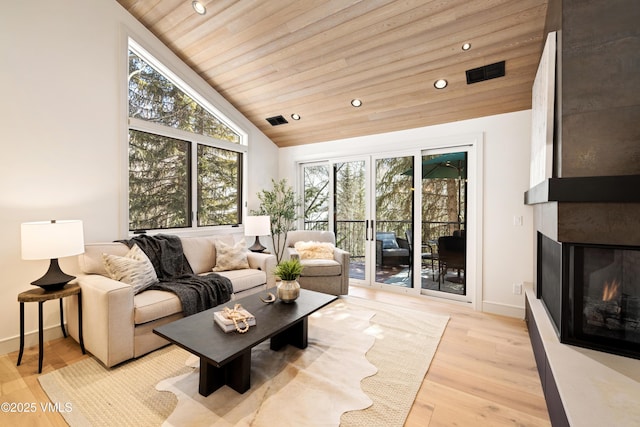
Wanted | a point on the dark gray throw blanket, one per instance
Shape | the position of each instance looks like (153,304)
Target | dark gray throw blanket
(197,293)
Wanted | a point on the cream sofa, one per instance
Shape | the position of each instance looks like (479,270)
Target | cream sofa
(118,325)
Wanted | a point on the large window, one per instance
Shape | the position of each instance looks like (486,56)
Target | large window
(185,161)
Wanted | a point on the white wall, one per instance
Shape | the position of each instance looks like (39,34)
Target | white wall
(507,250)
(63,122)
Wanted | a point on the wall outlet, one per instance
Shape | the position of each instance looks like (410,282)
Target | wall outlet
(517,288)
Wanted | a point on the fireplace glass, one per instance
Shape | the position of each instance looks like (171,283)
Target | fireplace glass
(604,299)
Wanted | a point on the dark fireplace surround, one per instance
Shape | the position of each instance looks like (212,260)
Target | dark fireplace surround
(588,260)
(587,212)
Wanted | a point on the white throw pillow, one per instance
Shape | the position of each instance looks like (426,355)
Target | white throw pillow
(230,257)
(314,250)
(134,268)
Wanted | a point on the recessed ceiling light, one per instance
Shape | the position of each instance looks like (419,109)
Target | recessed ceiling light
(295,116)
(356,102)
(440,84)
(466,46)
(199,7)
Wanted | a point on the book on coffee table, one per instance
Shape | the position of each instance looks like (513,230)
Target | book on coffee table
(226,323)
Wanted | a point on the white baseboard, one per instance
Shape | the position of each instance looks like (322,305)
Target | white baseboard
(503,309)
(12,344)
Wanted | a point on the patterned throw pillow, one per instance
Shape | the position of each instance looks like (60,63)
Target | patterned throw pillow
(314,250)
(231,257)
(134,268)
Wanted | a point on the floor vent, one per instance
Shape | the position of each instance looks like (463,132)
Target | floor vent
(487,72)
(277,120)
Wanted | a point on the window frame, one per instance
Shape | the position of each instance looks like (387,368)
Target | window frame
(192,138)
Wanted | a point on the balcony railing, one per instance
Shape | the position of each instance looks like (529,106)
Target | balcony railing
(350,234)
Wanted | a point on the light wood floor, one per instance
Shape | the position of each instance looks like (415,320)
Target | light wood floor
(483,373)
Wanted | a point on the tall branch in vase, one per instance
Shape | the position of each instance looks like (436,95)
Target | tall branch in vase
(281,205)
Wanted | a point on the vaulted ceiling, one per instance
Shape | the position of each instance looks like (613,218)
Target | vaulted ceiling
(312,57)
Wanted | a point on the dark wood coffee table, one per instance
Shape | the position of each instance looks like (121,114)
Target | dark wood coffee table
(225,358)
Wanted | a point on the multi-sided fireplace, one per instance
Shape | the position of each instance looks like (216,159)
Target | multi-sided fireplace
(592,294)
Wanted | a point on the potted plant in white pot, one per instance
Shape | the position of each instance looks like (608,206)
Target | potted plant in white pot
(288,271)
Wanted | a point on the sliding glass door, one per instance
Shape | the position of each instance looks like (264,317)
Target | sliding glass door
(351,221)
(316,196)
(335,199)
(398,238)
(441,244)
(393,219)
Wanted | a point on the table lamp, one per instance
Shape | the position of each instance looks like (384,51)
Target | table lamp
(52,240)
(257,226)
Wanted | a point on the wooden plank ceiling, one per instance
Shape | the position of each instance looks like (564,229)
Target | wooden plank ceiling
(312,57)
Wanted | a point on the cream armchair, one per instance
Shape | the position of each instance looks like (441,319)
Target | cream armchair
(330,276)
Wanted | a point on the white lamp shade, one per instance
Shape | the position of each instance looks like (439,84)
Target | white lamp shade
(52,239)
(257,225)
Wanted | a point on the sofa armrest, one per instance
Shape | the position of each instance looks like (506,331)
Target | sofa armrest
(264,262)
(107,318)
(402,243)
(344,258)
(291,253)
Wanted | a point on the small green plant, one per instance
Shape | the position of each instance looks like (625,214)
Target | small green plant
(289,269)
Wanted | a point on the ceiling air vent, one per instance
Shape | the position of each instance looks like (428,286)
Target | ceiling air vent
(487,72)
(277,120)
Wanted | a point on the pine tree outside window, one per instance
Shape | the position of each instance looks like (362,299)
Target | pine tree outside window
(185,162)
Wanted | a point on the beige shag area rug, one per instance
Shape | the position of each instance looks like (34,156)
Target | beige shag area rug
(363,367)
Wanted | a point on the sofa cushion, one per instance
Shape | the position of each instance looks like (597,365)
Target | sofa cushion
(399,252)
(320,267)
(388,240)
(314,250)
(134,268)
(245,279)
(231,257)
(200,252)
(310,235)
(92,262)
(151,305)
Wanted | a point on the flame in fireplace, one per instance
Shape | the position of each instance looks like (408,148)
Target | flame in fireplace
(610,290)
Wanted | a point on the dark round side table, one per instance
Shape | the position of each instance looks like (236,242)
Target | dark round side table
(41,295)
